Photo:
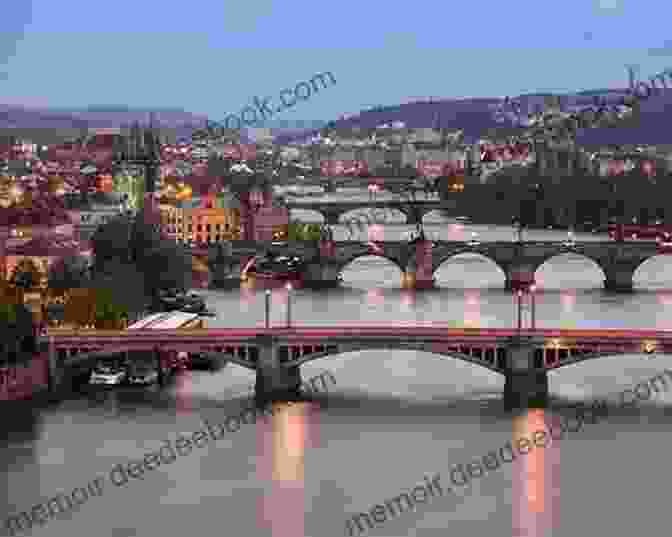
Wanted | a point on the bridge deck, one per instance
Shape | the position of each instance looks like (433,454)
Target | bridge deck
(385,331)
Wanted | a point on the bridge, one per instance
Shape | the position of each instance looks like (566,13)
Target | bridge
(524,357)
(419,262)
(331,183)
(414,211)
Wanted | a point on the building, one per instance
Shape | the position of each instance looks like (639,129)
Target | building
(263,218)
(203,219)
(97,209)
(44,250)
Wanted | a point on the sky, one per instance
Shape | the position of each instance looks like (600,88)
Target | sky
(213,57)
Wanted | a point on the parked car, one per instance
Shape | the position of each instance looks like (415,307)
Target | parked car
(143,374)
(201,360)
(108,374)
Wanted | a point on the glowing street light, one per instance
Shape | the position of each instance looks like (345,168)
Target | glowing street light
(533,288)
(289,304)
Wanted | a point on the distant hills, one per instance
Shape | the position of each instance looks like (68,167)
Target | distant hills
(476,116)
(53,125)
(478,119)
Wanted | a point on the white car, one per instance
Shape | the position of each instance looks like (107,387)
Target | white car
(107,375)
(569,243)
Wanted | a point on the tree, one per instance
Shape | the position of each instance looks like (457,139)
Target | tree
(144,236)
(166,266)
(126,284)
(68,273)
(109,299)
(109,313)
(17,331)
(26,274)
(111,242)
(302,231)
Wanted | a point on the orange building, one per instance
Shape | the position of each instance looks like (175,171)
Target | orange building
(209,220)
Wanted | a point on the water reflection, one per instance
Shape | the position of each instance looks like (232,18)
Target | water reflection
(472,308)
(535,477)
(281,444)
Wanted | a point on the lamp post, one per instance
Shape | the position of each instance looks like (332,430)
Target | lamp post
(268,308)
(533,288)
(519,295)
(289,305)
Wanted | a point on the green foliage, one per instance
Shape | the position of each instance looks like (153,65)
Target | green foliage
(7,314)
(131,185)
(301,231)
(166,266)
(128,250)
(123,284)
(107,308)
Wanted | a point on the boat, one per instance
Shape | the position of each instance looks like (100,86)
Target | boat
(280,268)
(187,302)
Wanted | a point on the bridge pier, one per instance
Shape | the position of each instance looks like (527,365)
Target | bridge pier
(156,355)
(525,386)
(519,277)
(274,382)
(321,275)
(619,279)
(419,272)
(55,373)
(329,187)
(331,217)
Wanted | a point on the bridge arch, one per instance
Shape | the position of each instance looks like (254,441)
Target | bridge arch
(434,216)
(494,361)
(547,277)
(468,259)
(307,215)
(373,257)
(374,215)
(655,271)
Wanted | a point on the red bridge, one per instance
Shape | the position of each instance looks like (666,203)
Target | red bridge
(524,357)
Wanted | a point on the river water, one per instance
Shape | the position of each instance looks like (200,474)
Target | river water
(392,419)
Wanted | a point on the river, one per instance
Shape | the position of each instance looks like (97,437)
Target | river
(391,419)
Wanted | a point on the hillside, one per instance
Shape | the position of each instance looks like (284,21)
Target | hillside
(477,118)
(47,126)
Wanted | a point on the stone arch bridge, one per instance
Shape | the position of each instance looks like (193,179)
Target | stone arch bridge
(523,357)
(419,262)
(414,212)
(518,261)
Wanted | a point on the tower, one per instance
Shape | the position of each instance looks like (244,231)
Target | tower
(632,78)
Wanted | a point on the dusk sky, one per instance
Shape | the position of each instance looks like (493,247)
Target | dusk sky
(213,57)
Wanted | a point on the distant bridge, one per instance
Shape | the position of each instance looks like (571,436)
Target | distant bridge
(518,261)
(333,211)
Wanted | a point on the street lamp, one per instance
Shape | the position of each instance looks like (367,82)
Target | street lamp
(268,308)
(289,304)
(533,288)
(519,295)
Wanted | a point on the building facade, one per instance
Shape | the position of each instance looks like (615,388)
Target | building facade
(202,220)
